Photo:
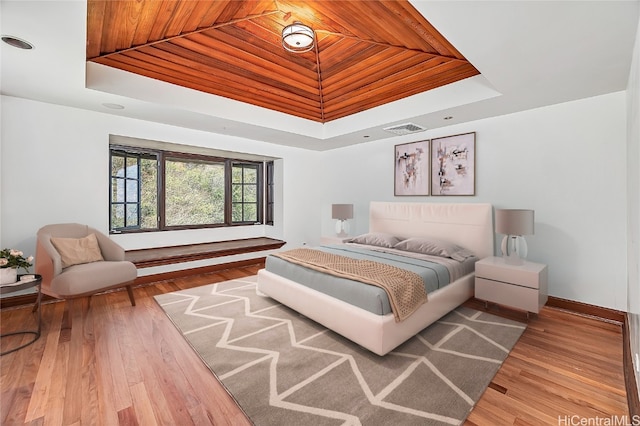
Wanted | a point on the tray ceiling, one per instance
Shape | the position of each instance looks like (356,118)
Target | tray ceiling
(368,53)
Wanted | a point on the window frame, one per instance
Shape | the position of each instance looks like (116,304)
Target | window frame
(269,192)
(127,153)
(162,157)
(259,184)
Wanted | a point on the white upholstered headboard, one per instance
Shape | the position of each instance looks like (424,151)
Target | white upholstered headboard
(468,225)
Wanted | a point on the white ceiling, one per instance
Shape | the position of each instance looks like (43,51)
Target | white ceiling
(529,53)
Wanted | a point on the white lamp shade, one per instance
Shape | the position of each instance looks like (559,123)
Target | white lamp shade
(342,211)
(514,222)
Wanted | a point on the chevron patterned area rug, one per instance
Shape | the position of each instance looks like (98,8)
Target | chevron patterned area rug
(284,369)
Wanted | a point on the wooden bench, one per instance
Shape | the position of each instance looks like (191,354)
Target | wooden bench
(159,256)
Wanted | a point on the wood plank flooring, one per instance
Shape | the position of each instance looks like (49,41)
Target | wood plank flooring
(566,369)
(124,365)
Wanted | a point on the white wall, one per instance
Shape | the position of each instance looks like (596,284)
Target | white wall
(54,168)
(633,205)
(567,162)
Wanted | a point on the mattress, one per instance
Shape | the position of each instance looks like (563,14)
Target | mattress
(436,272)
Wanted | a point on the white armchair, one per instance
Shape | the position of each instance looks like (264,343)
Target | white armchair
(72,265)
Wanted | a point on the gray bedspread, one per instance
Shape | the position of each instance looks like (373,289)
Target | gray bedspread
(436,272)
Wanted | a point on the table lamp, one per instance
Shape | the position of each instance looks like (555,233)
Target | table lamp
(342,212)
(514,224)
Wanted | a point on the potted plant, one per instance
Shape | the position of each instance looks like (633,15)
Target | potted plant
(10,261)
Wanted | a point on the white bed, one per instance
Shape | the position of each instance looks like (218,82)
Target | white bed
(468,225)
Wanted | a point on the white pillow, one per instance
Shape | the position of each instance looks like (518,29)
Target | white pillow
(434,247)
(379,239)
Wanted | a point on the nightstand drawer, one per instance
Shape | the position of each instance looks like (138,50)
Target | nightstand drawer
(529,274)
(507,294)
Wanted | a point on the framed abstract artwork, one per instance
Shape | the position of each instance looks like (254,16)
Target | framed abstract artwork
(453,165)
(412,169)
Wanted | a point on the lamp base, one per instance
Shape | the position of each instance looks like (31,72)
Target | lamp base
(342,228)
(514,249)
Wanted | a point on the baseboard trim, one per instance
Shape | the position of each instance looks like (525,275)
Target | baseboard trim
(599,312)
(633,400)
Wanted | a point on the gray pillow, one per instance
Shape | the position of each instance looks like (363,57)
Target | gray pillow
(434,247)
(379,239)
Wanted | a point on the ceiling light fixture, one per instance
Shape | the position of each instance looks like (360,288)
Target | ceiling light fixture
(297,38)
(17,42)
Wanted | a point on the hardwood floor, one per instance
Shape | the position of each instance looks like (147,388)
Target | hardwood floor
(566,369)
(129,365)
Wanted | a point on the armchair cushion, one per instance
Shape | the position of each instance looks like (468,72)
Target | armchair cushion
(88,278)
(75,251)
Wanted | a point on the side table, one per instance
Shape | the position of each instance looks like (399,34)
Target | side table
(20,285)
(522,286)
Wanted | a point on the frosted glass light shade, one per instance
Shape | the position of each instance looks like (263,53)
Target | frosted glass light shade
(342,228)
(297,38)
(514,248)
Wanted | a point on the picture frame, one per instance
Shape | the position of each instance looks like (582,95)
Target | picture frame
(411,169)
(453,165)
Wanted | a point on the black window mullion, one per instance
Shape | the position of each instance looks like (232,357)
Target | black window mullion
(139,194)
(269,185)
(228,192)
(162,180)
(112,177)
(259,192)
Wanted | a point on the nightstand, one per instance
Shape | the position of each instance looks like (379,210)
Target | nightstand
(333,240)
(518,286)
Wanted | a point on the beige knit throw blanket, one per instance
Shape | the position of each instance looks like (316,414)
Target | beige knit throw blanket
(405,289)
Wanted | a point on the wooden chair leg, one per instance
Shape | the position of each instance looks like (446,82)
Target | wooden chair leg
(131,298)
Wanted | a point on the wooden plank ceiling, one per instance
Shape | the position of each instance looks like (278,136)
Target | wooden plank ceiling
(368,52)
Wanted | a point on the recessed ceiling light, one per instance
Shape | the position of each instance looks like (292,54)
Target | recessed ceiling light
(17,42)
(113,106)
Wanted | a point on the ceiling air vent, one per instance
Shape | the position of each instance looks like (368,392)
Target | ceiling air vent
(405,129)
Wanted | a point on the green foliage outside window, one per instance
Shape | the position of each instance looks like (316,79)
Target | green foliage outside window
(194,193)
